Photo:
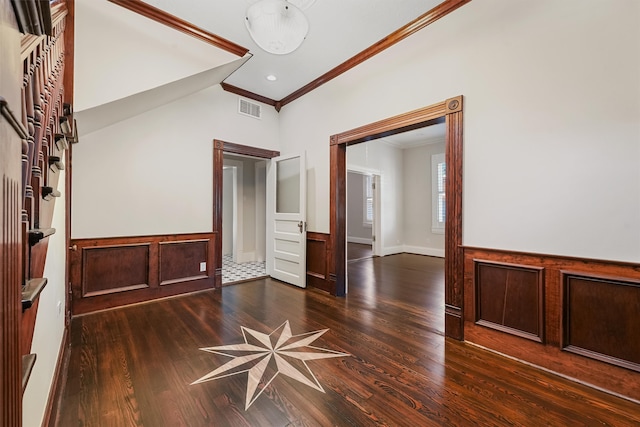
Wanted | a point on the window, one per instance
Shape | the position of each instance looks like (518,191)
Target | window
(438,197)
(367,199)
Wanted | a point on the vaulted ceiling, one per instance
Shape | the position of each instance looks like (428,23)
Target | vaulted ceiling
(339,31)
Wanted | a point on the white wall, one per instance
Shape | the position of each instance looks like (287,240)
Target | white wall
(417,212)
(228,217)
(551,135)
(49,327)
(135,54)
(247,210)
(152,174)
(385,160)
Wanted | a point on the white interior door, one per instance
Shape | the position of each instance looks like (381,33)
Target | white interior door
(286,219)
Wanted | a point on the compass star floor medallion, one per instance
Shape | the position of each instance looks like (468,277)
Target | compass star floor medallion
(264,356)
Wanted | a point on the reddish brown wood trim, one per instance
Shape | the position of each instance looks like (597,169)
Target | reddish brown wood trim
(454,254)
(392,125)
(551,355)
(451,112)
(440,11)
(250,95)
(245,150)
(181,25)
(218,165)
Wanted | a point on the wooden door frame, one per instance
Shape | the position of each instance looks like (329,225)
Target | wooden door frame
(219,148)
(449,112)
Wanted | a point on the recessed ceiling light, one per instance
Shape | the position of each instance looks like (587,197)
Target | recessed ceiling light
(271,78)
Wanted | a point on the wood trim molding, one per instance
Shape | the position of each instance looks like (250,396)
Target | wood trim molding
(440,11)
(181,25)
(454,255)
(401,123)
(245,150)
(250,95)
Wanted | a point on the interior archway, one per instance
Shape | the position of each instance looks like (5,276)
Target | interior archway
(449,112)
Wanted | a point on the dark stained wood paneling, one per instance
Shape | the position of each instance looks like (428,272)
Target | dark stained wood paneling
(181,25)
(111,269)
(10,267)
(116,271)
(588,366)
(180,261)
(317,261)
(602,318)
(510,298)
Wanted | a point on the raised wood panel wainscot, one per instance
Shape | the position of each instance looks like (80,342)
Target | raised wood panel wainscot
(110,272)
(587,311)
(318,260)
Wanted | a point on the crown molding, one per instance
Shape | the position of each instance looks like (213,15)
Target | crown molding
(440,11)
(181,25)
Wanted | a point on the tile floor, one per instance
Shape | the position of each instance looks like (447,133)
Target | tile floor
(233,272)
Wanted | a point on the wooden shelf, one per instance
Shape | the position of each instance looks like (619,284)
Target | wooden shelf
(28,361)
(31,291)
(38,234)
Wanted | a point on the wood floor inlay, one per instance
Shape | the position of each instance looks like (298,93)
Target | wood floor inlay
(134,366)
(264,356)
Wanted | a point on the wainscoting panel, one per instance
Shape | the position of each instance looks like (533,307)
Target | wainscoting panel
(510,298)
(602,319)
(115,271)
(587,313)
(112,269)
(317,261)
(181,261)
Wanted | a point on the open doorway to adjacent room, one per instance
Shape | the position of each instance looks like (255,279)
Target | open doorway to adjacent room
(448,113)
(396,194)
(243,218)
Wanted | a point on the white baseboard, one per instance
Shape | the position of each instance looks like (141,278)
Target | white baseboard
(421,250)
(392,250)
(362,240)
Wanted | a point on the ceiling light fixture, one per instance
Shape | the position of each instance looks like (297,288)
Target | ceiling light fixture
(271,78)
(278,26)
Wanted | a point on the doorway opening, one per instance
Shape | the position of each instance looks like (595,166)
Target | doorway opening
(243,218)
(363,212)
(448,112)
(239,157)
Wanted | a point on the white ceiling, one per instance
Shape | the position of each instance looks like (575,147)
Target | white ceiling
(417,137)
(339,29)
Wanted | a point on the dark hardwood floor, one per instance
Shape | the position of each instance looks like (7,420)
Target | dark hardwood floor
(357,251)
(134,366)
